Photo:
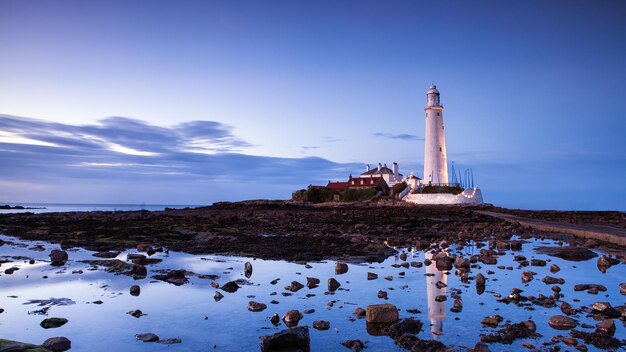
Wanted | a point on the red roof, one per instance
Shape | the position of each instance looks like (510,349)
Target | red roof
(366,182)
(340,186)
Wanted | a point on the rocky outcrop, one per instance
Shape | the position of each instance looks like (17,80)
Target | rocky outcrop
(289,339)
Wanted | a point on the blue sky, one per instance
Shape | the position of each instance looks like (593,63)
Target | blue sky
(196,102)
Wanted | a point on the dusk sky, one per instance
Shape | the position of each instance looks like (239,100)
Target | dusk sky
(185,102)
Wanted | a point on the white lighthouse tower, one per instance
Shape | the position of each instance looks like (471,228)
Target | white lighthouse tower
(435,160)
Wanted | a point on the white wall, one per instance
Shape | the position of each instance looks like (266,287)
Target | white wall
(468,196)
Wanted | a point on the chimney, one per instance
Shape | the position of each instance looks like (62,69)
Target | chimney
(394,168)
(367,167)
(380,166)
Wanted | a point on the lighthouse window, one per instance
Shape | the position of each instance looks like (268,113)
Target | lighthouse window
(439,148)
(437,114)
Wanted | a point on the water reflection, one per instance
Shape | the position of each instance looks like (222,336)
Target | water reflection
(436,307)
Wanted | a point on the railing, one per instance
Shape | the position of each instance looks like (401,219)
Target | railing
(404,192)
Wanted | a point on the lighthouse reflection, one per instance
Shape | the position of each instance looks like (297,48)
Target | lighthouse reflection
(436,308)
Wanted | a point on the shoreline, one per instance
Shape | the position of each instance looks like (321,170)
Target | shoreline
(285,230)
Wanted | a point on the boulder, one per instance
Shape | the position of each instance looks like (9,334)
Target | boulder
(461,263)
(549,280)
(294,286)
(256,306)
(606,327)
(561,322)
(527,276)
(57,344)
(341,268)
(321,324)
(622,288)
(359,312)
(106,255)
(381,313)
(289,339)
(312,282)
(51,323)
(58,257)
(139,270)
(333,284)
(489,260)
(147,337)
(372,276)
(584,287)
(538,262)
(492,320)
(480,283)
(382,294)
(443,264)
(230,287)
(275,320)
(292,317)
(15,346)
(247,269)
(354,345)
(554,268)
(480,347)
(218,296)
(135,290)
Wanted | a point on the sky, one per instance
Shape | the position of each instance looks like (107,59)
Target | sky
(193,102)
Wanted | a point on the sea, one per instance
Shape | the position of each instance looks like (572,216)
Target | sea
(66,207)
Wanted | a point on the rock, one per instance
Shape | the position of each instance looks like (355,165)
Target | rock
(622,288)
(292,317)
(480,347)
(381,313)
(294,286)
(136,313)
(572,253)
(403,256)
(135,290)
(382,294)
(457,306)
(15,346)
(372,276)
(147,337)
(354,345)
(256,306)
(333,284)
(443,264)
(601,306)
(606,327)
(51,323)
(600,341)
(554,268)
(218,296)
(341,268)
(57,344)
(312,282)
(561,322)
(583,287)
(106,255)
(133,256)
(441,298)
(570,341)
(230,287)
(139,270)
(416,264)
(492,320)
(512,332)
(549,280)
(247,269)
(359,313)
(388,278)
(289,339)
(527,276)
(275,320)
(489,260)
(321,324)
(538,262)
(480,283)
(170,341)
(174,277)
(58,257)
(461,263)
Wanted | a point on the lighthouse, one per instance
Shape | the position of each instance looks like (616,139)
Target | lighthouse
(435,160)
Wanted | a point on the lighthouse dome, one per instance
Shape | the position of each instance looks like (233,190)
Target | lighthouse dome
(432,89)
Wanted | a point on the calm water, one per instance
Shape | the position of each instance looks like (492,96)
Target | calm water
(65,207)
(190,312)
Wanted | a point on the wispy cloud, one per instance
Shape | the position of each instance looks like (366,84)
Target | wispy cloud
(121,149)
(329,139)
(401,136)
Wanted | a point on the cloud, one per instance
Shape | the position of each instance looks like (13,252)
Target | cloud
(329,139)
(122,151)
(402,136)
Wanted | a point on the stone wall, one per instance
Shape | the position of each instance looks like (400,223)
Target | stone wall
(468,196)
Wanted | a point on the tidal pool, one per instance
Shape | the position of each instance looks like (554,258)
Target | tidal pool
(189,312)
